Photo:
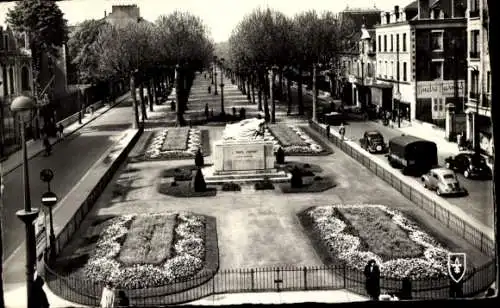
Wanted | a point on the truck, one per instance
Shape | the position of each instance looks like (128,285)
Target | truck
(413,155)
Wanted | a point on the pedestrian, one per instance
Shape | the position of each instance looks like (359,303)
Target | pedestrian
(342,131)
(39,296)
(60,131)
(47,145)
(328,131)
(372,275)
(123,300)
(206,111)
(108,296)
(209,89)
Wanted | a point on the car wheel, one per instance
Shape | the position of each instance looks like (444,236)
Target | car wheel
(438,192)
(466,173)
(448,165)
(425,185)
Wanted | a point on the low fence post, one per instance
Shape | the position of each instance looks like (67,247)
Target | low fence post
(344,276)
(252,276)
(305,278)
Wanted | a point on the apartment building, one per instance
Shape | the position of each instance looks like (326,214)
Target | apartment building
(422,54)
(478,109)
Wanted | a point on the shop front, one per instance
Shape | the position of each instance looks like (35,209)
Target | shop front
(381,96)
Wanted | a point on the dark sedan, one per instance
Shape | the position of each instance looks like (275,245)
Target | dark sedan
(373,142)
(469,164)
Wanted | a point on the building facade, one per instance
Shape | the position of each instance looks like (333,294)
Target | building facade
(15,79)
(478,109)
(422,54)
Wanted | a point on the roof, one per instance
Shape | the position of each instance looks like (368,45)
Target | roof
(434,3)
(412,6)
(373,132)
(443,171)
(405,140)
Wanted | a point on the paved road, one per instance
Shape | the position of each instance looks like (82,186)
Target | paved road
(70,160)
(479,202)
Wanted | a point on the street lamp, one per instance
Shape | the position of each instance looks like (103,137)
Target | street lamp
(23,106)
(215,74)
(221,64)
(474,123)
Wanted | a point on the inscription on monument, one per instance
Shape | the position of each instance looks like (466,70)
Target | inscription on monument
(244,157)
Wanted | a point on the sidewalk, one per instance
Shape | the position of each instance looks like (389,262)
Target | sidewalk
(35,147)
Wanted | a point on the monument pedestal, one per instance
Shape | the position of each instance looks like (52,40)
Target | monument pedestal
(243,161)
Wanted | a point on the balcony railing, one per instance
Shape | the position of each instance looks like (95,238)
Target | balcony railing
(474,13)
(474,54)
(473,95)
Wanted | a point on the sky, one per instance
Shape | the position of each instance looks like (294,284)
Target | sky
(221,16)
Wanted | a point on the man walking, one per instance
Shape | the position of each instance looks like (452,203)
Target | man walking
(372,275)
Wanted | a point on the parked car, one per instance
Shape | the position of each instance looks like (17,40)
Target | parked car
(443,181)
(469,164)
(414,155)
(373,142)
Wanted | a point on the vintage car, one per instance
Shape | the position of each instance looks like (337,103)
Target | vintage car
(443,181)
(373,142)
(469,164)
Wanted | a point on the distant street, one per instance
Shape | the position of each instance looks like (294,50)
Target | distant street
(479,202)
(70,160)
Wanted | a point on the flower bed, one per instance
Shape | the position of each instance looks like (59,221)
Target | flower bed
(342,241)
(175,143)
(187,254)
(293,139)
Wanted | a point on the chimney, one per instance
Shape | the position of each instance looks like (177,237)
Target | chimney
(105,14)
(423,9)
(396,12)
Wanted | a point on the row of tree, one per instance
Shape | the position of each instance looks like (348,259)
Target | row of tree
(149,55)
(267,45)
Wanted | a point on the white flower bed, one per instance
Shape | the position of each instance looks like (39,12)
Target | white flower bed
(330,229)
(312,146)
(154,148)
(187,260)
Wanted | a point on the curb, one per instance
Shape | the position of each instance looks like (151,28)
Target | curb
(58,139)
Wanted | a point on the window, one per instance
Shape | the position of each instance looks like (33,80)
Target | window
(398,71)
(437,70)
(397,42)
(379,68)
(386,69)
(25,79)
(392,42)
(474,84)
(404,41)
(379,43)
(11,80)
(392,69)
(488,82)
(6,42)
(474,8)
(474,44)
(437,40)
(369,69)
(405,78)
(385,42)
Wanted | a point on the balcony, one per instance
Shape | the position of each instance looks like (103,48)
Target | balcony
(474,54)
(474,13)
(473,95)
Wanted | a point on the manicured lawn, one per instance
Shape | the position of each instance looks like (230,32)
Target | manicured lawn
(175,143)
(286,136)
(148,240)
(183,190)
(290,165)
(379,234)
(320,184)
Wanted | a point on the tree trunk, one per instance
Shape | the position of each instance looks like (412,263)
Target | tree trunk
(150,95)
(143,103)
(136,123)
(253,89)
(267,116)
(179,84)
(243,86)
(299,92)
(248,88)
(259,96)
(271,96)
(155,90)
(315,93)
(289,96)
(280,81)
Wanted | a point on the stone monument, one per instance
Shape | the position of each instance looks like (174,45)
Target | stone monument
(243,155)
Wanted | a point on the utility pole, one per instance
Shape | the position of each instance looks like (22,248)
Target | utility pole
(398,94)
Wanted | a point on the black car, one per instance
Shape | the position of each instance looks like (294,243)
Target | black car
(469,164)
(373,142)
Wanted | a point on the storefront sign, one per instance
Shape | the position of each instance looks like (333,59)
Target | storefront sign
(441,88)
(486,142)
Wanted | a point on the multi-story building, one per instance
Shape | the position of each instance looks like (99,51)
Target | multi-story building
(15,80)
(478,107)
(421,52)
(350,51)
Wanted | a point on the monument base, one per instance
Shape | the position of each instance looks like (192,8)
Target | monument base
(214,177)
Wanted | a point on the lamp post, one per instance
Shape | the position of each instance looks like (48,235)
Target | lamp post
(475,132)
(23,106)
(398,94)
(221,64)
(215,74)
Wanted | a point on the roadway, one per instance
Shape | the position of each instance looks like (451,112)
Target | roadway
(70,161)
(479,202)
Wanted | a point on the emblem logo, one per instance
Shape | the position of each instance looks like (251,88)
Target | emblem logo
(457,263)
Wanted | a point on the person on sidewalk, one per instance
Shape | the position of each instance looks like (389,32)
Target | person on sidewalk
(60,131)
(372,284)
(39,296)
(108,296)
(123,300)
(209,89)
(47,145)
(342,131)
